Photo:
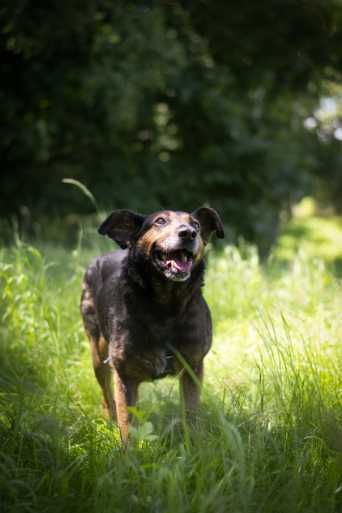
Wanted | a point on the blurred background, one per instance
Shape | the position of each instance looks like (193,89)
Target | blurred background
(174,104)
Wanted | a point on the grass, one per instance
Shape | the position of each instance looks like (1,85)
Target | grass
(268,437)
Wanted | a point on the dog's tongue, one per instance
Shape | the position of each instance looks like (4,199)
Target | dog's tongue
(179,265)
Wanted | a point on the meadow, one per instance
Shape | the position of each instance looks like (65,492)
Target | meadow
(268,437)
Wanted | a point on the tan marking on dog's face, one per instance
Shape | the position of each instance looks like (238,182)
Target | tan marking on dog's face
(172,242)
(165,235)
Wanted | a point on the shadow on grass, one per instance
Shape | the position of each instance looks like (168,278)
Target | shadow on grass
(39,471)
(336,267)
(18,374)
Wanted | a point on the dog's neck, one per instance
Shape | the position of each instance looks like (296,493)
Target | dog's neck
(166,293)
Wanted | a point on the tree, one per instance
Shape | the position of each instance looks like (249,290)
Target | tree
(165,104)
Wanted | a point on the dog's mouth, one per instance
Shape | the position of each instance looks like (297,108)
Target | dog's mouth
(175,265)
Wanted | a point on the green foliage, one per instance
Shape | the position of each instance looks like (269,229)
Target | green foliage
(170,104)
(268,436)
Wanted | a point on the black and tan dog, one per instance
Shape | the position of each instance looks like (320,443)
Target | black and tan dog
(142,306)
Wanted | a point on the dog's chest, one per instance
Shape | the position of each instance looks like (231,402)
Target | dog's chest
(147,351)
(146,341)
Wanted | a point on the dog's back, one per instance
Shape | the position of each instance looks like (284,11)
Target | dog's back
(104,267)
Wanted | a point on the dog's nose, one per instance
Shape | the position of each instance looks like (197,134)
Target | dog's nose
(187,232)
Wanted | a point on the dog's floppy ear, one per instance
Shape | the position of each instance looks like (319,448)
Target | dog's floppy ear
(122,226)
(210,222)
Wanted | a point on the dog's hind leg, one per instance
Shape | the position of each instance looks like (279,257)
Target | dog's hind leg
(126,395)
(103,373)
(99,350)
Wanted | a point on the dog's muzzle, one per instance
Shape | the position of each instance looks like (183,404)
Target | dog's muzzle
(175,265)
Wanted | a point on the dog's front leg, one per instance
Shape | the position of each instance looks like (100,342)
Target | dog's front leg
(190,388)
(126,394)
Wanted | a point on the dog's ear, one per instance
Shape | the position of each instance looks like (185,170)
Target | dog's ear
(122,226)
(210,222)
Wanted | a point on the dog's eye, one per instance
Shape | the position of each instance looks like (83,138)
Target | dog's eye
(160,221)
(196,225)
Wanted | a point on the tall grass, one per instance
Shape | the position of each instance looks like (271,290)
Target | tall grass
(268,437)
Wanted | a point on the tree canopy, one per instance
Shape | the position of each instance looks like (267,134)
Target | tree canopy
(169,104)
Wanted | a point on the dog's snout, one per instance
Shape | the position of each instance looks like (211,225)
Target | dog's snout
(187,232)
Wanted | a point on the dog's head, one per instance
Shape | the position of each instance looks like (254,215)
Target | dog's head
(173,242)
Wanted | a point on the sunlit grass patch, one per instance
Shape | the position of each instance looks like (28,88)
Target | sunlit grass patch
(314,236)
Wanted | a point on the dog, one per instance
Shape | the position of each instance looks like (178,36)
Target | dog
(143,309)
